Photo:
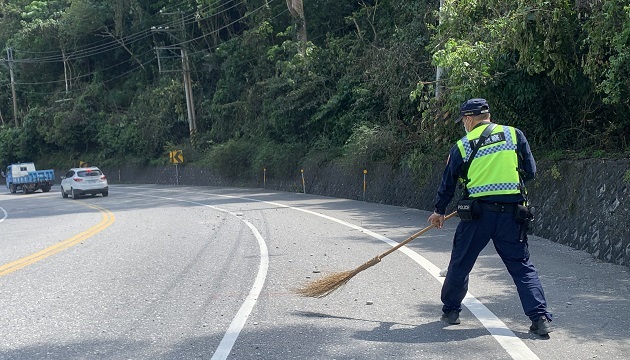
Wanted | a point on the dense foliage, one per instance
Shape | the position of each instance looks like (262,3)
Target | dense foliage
(102,81)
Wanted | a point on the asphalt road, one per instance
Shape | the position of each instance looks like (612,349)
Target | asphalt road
(163,272)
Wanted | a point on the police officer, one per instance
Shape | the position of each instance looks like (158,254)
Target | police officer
(495,181)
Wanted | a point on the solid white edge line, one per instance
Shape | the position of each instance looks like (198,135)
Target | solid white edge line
(513,345)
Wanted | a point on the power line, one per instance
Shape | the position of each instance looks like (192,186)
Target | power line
(104,81)
(84,75)
(135,68)
(232,23)
(75,56)
(129,39)
(107,26)
(216,46)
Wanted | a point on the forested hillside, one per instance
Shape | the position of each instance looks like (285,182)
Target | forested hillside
(241,85)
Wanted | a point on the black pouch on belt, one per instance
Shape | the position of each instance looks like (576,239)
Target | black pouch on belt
(468,209)
(524,216)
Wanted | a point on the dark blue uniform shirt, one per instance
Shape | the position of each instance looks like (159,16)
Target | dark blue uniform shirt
(454,169)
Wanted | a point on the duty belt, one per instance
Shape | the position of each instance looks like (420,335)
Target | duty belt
(499,207)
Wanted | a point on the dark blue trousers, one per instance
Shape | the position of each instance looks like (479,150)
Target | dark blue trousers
(470,238)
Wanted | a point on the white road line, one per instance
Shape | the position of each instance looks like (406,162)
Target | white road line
(226,344)
(5,214)
(513,345)
(238,322)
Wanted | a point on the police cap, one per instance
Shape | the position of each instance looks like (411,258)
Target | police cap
(473,107)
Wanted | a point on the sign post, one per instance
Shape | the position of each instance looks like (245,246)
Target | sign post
(176,157)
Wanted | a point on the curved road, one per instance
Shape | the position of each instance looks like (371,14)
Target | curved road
(162,272)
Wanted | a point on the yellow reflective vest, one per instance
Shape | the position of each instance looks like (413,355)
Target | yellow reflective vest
(494,171)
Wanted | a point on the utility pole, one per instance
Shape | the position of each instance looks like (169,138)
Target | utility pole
(192,118)
(10,61)
(65,68)
(296,8)
(439,70)
(190,104)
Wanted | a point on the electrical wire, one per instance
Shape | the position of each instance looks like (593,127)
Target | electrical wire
(81,90)
(171,7)
(85,75)
(217,46)
(135,68)
(126,41)
(232,23)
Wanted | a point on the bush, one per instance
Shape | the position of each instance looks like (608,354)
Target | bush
(282,161)
(368,144)
(232,159)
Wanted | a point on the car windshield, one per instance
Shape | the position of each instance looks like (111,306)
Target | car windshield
(89,172)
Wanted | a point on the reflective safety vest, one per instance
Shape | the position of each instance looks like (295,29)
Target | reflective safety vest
(494,170)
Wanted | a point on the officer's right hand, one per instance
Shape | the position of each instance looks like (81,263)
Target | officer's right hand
(437,220)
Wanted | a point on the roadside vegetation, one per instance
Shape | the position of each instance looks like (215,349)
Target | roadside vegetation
(277,87)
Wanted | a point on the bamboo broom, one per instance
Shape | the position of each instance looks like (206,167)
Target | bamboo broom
(329,283)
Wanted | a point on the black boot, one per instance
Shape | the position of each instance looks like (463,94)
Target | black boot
(451,317)
(542,326)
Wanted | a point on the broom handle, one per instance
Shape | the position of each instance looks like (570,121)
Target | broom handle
(414,236)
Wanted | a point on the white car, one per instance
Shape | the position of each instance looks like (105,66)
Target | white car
(84,181)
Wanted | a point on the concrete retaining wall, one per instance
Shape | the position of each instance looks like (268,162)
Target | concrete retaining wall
(584,205)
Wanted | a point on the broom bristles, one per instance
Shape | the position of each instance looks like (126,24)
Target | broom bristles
(329,283)
(326,285)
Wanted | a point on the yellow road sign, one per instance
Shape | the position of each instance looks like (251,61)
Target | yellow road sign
(176,156)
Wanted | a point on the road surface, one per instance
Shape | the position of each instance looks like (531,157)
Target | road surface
(175,272)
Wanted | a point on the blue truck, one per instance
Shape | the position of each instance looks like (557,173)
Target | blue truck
(24,177)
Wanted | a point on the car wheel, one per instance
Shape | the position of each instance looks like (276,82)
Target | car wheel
(63,193)
(13,188)
(105,193)
(26,190)
(45,189)
(74,194)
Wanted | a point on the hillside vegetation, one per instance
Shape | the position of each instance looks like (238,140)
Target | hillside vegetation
(278,84)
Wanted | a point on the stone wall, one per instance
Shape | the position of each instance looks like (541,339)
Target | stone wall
(584,205)
(581,204)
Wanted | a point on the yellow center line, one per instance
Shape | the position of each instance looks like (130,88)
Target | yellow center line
(108,219)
